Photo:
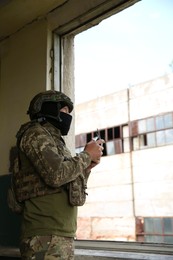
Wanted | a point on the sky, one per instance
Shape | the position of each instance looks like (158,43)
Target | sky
(128,48)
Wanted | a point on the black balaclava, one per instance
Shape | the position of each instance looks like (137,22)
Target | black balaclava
(51,111)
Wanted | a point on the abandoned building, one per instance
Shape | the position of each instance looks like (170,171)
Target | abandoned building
(130,193)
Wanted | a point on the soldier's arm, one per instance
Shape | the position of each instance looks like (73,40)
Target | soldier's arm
(48,160)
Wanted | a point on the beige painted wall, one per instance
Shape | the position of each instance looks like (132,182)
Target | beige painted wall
(23,73)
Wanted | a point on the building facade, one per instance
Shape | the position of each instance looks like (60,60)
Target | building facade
(130,192)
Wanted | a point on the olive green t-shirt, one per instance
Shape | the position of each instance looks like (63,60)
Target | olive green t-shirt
(49,215)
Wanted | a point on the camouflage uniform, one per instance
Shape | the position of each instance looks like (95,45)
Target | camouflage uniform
(45,162)
(47,248)
(46,168)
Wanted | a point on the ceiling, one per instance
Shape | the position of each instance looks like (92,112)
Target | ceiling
(14,14)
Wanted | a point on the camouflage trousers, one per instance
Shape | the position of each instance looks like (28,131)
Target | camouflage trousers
(47,248)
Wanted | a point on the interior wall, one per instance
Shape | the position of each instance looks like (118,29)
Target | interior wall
(23,73)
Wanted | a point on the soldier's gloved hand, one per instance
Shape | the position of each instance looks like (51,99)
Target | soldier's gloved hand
(95,150)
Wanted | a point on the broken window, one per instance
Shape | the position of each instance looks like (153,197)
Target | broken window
(152,132)
(155,230)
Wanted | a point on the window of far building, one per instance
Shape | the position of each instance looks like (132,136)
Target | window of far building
(143,134)
(152,132)
(154,229)
(116,140)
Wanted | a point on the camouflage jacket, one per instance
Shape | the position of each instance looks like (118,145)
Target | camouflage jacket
(45,164)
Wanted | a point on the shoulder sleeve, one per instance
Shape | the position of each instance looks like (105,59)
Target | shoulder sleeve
(48,158)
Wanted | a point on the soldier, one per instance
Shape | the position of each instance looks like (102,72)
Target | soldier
(50,182)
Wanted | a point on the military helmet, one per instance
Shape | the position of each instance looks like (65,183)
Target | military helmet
(48,96)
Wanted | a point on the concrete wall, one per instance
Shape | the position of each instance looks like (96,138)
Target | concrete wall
(102,112)
(153,181)
(152,168)
(108,212)
(151,97)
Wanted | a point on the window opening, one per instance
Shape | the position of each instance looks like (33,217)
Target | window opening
(168,121)
(103,134)
(159,122)
(134,128)
(160,138)
(157,131)
(116,132)
(118,138)
(150,124)
(142,126)
(125,130)
(154,229)
(144,132)
(169,136)
(110,134)
(110,147)
(89,137)
(151,139)
(126,145)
